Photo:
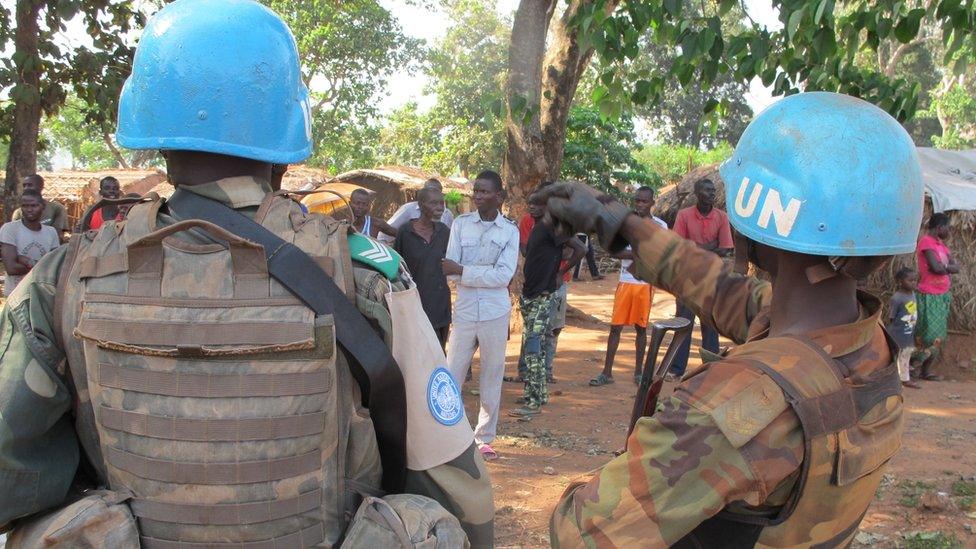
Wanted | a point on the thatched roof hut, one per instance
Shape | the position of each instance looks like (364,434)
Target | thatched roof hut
(962,242)
(77,190)
(396,185)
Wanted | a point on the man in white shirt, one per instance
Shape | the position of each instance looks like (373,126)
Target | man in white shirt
(482,254)
(23,242)
(632,300)
(411,210)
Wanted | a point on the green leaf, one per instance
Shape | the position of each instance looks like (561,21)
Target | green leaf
(672,7)
(710,106)
(598,93)
(794,22)
(821,10)
(959,67)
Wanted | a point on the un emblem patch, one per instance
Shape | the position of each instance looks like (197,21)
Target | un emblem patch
(444,397)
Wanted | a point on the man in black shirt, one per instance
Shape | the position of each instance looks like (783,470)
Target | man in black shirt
(422,243)
(543,254)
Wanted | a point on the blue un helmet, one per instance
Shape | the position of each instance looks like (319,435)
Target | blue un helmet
(826,174)
(217,76)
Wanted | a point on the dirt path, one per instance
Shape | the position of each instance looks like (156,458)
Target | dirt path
(582,426)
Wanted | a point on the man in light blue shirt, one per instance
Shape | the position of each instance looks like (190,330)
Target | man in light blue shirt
(482,255)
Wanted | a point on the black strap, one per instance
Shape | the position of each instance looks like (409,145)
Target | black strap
(370,361)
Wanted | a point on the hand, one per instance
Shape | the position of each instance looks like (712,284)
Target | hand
(25,261)
(587,210)
(450,267)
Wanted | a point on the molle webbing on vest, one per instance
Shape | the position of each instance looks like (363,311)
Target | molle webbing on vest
(308,537)
(209,429)
(213,389)
(242,472)
(181,384)
(199,334)
(228,514)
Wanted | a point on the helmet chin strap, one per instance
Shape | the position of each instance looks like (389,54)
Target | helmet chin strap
(826,270)
(856,267)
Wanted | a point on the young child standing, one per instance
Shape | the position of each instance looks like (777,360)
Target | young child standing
(903,314)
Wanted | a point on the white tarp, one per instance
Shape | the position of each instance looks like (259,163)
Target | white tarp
(950,178)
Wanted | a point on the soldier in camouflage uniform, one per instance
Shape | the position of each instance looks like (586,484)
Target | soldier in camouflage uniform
(159,360)
(783,441)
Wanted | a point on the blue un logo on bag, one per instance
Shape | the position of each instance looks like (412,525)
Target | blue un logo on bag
(444,397)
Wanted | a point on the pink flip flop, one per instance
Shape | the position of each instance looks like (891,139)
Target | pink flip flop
(487,452)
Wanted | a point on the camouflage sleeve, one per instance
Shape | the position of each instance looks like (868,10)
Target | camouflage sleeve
(725,436)
(463,487)
(38,448)
(704,283)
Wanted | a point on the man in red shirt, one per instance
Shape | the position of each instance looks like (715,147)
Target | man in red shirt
(707,226)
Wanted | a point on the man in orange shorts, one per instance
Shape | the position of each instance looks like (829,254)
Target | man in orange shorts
(632,301)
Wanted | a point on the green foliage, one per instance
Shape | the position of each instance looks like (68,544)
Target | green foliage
(94,73)
(458,135)
(912,490)
(964,488)
(931,540)
(814,50)
(71,132)
(598,151)
(956,108)
(672,162)
(348,50)
(453,199)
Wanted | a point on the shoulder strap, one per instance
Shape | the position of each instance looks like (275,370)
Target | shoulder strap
(832,407)
(374,368)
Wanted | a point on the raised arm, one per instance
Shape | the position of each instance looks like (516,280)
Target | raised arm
(725,300)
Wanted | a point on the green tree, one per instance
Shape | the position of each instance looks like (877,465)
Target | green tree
(70,131)
(672,162)
(465,68)
(348,51)
(814,50)
(599,152)
(955,108)
(42,69)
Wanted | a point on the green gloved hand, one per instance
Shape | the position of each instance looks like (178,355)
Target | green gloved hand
(588,210)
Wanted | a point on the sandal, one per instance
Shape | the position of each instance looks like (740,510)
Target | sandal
(514,379)
(601,380)
(911,385)
(932,377)
(487,452)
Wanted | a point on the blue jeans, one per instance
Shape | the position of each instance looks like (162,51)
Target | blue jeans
(709,342)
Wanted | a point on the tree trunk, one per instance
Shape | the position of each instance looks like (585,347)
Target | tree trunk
(524,165)
(545,79)
(115,150)
(27,103)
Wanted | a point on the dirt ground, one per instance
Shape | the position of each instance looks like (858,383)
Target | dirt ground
(582,426)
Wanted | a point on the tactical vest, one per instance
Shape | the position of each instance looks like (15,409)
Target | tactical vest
(217,401)
(850,431)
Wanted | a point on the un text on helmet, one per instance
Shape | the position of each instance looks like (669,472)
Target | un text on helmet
(772,207)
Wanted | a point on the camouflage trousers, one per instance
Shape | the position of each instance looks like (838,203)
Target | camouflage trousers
(535,333)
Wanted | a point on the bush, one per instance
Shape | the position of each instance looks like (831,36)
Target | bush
(672,162)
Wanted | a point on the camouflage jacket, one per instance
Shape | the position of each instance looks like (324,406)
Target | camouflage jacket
(39,448)
(682,466)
